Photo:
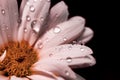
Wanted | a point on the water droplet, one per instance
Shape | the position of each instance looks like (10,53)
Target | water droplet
(3,27)
(35,0)
(48,0)
(36,29)
(69,59)
(3,11)
(33,23)
(56,15)
(60,49)
(57,29)
(46,40)
(42,19)
(34,26)
(28,3)
(65,39)
(82,49)
(51,54)
(70,47)
(9,35)
(7,27)
(74,42)
(25,30)
(32,9)
(81,43)
(67,73)
(19,20)
(40,45)
(28,18)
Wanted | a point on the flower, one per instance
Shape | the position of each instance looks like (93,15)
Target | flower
(39,44)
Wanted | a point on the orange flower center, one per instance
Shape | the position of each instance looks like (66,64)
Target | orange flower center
(19,58)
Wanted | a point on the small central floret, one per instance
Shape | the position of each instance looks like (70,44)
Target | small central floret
(19,58)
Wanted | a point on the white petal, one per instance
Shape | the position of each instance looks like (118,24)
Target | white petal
(60,69)
(62,33)
(9,10)
(17,78)
(40,77)
(3,56)
(33,11)
(87,35)
(3,78)
(58,14)
(79,77)
(72,55)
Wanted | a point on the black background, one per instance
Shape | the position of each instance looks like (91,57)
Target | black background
(89,10)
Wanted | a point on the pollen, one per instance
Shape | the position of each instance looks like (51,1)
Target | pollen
(19,59)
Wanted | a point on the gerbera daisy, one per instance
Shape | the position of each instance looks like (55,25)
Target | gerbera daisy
(37,43)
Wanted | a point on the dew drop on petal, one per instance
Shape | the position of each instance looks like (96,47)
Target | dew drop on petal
(56,15)
(9,35)
(48,0)
(81,43)
(3,11)
(69,59)
(57,30)
(19,20)
(7,27)
(36,29)
(34,26)
(82,49)
(35,0)
(69,47)
(74,42)
(33,23)
(28,3)
(42,19)
(67,73)
(65,39)
(51,54)
(32,9)
(25,30)
(40,45)
(3,27)
(28,18)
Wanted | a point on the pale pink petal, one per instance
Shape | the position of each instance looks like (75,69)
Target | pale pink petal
(43,72)
(3,56)
(72,55)
(23,3)
(3,77)
(79,77)
(62,33)
(17,78)
(40,77)
(8,19)
(33,12)
(58,13)
(63,51)
(1,41)
(86,36)
(54,66)
(39,27)
(60,78)
(82,62)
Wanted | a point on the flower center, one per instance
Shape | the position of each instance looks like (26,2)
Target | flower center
(19,58)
